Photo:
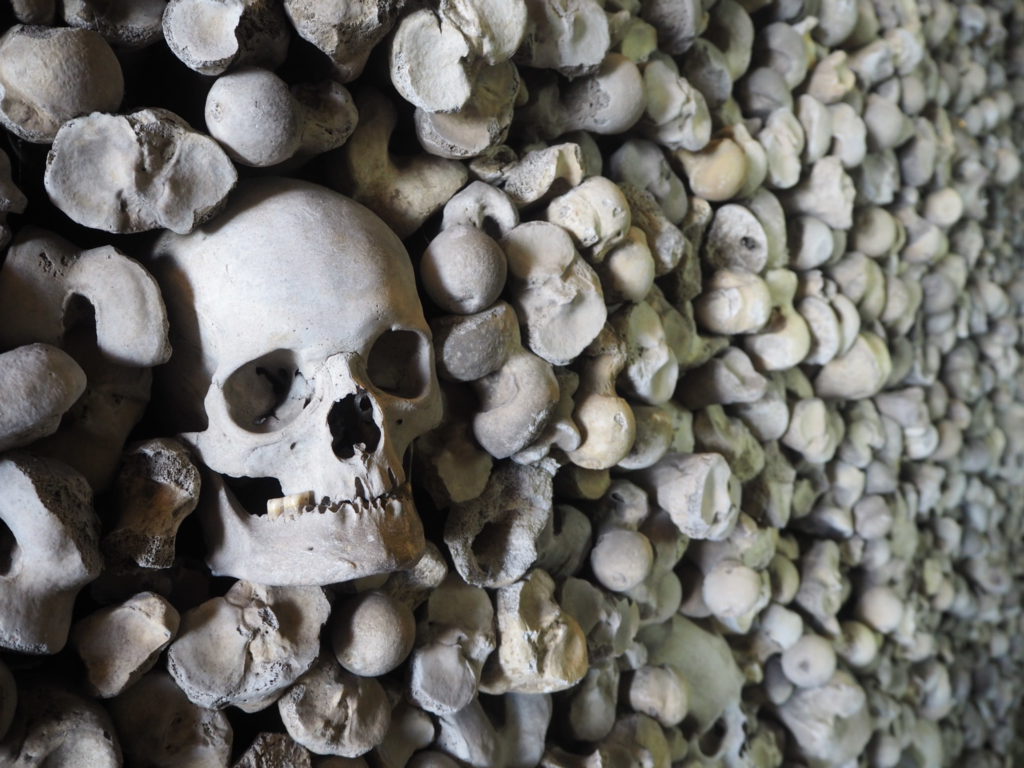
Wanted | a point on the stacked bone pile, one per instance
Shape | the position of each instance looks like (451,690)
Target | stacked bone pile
(660,408)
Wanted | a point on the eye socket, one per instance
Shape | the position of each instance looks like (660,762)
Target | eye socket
(399,363)
(267,393)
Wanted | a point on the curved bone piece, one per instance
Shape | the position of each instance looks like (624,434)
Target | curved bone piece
(211,36)
(54,728)
(48,509)
(43,272)
(245,648)
(38,384)
(161,728)
(112,172)
(332,712)
(404,192)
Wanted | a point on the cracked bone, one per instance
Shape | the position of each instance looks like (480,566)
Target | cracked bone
(47,510)
(783,140)
(733,302)
(666,242)
(572,39)
(274,749)
(371,633)
(331,712)
(727,379)
(556,294)
(135,152)
(536,176)
(345,33)
(651,369)
(55,727)
(827,193)
(445,668)
(541,648)
(698,491)
(39,384)
(211,36)
(245,648)
(596,214)
(299,122)
(119,644)
(155,490)
(49,75)
(675,115)
(830,724)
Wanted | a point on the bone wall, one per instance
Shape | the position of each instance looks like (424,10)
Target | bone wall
(511,383)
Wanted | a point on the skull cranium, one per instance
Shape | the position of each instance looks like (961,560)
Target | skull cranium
(300,345)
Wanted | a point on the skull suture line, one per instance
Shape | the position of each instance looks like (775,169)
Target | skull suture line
(300,340)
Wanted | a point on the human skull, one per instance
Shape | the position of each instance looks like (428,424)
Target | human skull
(300,345)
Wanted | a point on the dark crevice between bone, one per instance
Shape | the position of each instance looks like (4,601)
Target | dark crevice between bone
(8,549)
(253,493)
(352,426)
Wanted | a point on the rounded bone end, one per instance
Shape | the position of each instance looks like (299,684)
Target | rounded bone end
(621,559)
(880,608)
(372,633)
(731,589)
(463,270)
(242,99)
(809,662)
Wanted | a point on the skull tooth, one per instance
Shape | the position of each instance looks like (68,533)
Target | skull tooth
(360,489)
(292,504)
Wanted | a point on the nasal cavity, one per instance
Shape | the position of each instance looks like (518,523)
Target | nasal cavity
(352,426)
